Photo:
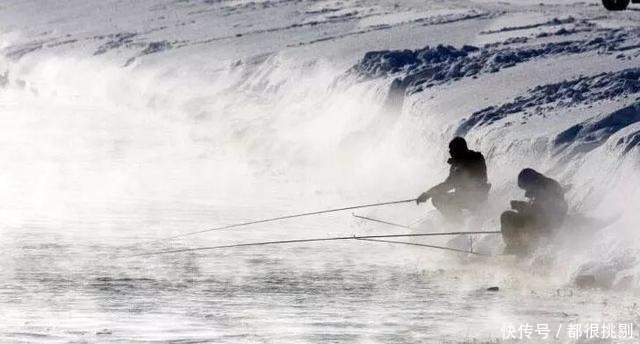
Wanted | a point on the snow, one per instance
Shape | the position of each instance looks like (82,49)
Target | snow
(129,120)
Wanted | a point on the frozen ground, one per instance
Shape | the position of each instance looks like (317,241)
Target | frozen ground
(125,121)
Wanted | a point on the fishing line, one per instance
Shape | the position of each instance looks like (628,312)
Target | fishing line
(236,225)
(425,245)
(381,221)
(294,241)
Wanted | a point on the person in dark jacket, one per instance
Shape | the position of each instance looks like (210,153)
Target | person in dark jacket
(535,219)
(466,186)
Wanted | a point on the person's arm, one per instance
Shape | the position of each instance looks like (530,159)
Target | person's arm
(440,188)
(522,207)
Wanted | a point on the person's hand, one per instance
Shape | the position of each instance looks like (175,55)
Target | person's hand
(518,205)
(423,198)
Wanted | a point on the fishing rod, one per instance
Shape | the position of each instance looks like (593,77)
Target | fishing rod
(403,226)
(295,241)
(425,245)
(236,225)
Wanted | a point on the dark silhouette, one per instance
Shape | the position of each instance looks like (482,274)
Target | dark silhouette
(537,218)
(617,5)
(466,186)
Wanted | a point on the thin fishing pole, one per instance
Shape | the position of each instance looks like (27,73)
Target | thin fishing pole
(399,225)
(284,218)
(381,221)
(293,241)
(425,245)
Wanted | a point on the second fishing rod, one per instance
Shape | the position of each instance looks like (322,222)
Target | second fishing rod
(279,218)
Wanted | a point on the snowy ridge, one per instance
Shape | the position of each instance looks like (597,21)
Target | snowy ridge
(552,22)
(591,133)
(431,66)
(414,71)
(570,93)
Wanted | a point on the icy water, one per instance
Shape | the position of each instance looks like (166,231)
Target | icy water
(67,285)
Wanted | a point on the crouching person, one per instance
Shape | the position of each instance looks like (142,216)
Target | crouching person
(536,219)
(465,188)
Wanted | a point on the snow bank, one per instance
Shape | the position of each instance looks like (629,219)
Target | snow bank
(431,66)
(590,134)
(566,94)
